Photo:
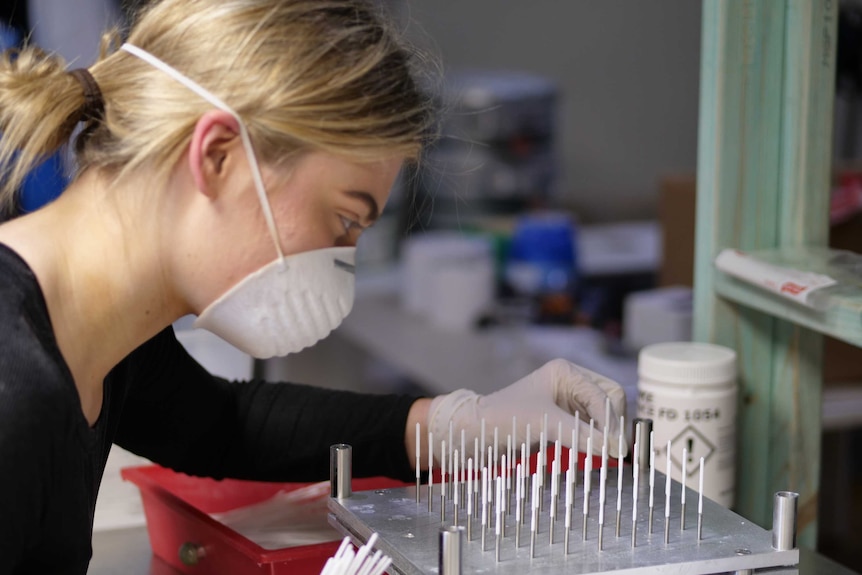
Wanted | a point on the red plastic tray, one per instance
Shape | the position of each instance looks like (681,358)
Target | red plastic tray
(177,509)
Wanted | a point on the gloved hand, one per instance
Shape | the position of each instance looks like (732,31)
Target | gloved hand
(559,388)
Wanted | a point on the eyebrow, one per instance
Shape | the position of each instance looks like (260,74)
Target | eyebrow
(369,201)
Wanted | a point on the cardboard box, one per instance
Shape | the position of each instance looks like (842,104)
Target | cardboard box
(677,217)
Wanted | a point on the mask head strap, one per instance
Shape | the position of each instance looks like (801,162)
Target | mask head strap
(218,103)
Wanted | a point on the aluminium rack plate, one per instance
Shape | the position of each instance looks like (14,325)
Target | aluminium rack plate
(408,533)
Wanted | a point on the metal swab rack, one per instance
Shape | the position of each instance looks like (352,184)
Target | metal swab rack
(711,539)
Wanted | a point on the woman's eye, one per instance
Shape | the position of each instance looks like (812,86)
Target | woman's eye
(349,224)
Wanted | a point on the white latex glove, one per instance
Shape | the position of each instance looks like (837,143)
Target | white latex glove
(558,388)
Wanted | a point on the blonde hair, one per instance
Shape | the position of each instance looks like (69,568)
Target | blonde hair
(304,75)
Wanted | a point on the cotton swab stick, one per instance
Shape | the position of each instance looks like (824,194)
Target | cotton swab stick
(501,504)
(455,486)
(490,484)
(443,481)
(369,563)
(534,518)
(525,473)
(651,480)
(540,467)
(362,554)
(508,473)
(588,473)
(667,498)
(573,458)
(570,488)
(482,455)
(476,459)
(430,471)
(463,466)
(451,445)
(495,472)
(700,503)
(635,499)
(418,450)
(514,446)
(554,495)
(519,470)
(682,495)
(498,481)
(484,504)
(558,451)
(470,499)
(603,477)
(555,479)
(620,469)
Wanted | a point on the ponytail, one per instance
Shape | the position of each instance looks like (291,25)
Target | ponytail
(327,75)
(40,106)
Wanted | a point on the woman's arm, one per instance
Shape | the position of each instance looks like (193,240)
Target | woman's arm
(179,415)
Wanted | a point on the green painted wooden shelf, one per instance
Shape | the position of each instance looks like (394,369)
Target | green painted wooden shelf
(841,317)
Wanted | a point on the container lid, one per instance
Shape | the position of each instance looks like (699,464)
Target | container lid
(687,363)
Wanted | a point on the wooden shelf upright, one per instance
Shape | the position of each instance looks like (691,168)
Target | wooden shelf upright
(764,156)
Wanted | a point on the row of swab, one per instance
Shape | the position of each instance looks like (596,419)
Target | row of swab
(501,489)
(347,562)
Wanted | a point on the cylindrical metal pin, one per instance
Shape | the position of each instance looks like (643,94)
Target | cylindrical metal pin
(451,543)
(642,455)
(340,470)
(601,532)
(784,511)
(517,534)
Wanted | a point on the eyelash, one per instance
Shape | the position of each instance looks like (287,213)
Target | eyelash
(350,224)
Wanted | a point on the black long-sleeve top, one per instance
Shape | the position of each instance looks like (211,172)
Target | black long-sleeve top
(158,403)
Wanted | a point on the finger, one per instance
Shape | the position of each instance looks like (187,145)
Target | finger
(613,391)
(570,422)
(590,400)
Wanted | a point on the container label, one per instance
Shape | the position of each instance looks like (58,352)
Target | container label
(705,427)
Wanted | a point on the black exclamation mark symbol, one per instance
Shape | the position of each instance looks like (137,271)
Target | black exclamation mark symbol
(690,449)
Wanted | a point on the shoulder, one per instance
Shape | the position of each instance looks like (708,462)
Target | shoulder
(34,379)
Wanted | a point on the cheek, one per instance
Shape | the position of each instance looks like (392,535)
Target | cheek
(304,225)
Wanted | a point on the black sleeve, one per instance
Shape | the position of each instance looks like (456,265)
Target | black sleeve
(180,416)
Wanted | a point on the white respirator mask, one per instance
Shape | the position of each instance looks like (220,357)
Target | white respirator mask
(288,304)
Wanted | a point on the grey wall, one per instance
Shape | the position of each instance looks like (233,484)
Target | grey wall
(628,69)
(72,28)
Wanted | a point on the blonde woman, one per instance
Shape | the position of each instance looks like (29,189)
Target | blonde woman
(230,154)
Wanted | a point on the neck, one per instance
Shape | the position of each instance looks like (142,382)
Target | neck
(100,272)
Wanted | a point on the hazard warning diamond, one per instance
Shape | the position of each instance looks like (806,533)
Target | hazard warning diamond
(697,445)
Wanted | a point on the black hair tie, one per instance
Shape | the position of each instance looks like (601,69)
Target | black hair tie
(94,104)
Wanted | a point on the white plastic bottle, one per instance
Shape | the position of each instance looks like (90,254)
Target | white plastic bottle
(689,391)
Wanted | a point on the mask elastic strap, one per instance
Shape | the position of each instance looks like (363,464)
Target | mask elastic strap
(218,103)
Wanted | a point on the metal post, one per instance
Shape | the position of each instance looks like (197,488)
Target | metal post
(645,425)
(340,470)
(451,543)
(784,512)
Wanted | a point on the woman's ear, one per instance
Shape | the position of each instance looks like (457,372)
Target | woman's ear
(215,134)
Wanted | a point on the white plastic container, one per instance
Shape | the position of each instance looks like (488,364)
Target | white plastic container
(448,278)
(689,391)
